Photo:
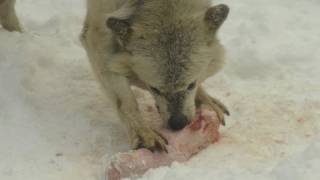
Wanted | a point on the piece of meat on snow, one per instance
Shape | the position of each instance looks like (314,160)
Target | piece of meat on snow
(202,132)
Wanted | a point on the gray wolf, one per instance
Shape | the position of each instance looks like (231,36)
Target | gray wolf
(168,47)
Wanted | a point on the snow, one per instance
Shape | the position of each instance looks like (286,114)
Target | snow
(57,124)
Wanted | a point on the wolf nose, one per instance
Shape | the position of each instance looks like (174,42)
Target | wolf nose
(177,122)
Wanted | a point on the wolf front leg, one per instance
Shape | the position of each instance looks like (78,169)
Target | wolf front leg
(203,97)
(142,136)
(8,17)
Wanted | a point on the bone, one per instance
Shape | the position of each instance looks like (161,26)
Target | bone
(183,145)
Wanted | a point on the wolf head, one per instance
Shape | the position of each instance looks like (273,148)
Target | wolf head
(172,48)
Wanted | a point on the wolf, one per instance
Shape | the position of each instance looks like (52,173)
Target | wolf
(167,47)
(8,17)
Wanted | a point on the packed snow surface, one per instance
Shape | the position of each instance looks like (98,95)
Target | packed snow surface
(56,124)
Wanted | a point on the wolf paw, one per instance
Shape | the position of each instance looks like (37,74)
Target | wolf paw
(220,109)
(217,106)
(220,105)
(149,139)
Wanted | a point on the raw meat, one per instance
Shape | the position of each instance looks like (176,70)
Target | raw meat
(202,132)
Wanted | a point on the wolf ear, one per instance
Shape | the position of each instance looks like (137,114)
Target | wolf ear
(215,16)
(121,28)
(120,22)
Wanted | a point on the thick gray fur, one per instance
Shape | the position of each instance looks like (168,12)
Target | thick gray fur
(163,46)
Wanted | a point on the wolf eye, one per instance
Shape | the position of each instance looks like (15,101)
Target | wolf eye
(155,90)
(192,86)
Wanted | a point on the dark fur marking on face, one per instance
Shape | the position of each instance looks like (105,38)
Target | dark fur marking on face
(176,44)
(176,102)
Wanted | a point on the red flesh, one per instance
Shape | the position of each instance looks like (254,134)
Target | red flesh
(202,132)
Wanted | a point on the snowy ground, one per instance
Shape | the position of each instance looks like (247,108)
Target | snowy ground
(55,123)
